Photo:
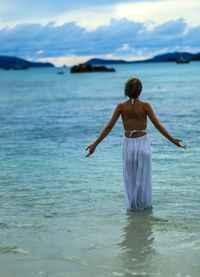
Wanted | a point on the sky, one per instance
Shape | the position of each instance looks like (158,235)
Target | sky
(70,32)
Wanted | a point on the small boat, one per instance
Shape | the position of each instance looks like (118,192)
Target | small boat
(182,60)
(20,67)
(7,68)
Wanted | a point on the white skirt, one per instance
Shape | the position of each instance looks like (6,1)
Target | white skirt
(137,172)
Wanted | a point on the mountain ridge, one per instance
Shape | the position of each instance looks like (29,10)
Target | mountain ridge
(167,57)
(13,62)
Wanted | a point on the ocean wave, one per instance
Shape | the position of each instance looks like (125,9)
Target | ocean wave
(116,271)
(14,249)
(31,225)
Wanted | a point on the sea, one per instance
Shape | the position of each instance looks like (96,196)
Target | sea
(62,214)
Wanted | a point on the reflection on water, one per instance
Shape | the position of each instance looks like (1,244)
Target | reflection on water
(137,244)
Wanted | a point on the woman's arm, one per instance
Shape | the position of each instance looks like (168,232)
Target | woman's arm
(160,127)
(106,130)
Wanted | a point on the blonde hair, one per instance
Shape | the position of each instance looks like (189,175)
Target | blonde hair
(133,87)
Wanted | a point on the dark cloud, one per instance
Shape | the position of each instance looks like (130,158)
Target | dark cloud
(167,35)
(39,41)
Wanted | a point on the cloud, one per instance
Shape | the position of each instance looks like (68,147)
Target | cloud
(193,36)
(26,9)
(125,47)
(121,37)
(159,11)
(91,13)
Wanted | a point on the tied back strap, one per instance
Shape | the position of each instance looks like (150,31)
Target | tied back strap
(133,100)
(136,131)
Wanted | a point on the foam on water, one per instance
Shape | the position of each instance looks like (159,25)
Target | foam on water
(15,250)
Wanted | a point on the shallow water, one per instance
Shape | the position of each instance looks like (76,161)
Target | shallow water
(64,215)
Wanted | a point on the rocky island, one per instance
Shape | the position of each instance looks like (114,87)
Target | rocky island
(90,68)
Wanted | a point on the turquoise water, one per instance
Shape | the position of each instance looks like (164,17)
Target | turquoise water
(64,215)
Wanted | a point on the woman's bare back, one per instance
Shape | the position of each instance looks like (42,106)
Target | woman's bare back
(134,117)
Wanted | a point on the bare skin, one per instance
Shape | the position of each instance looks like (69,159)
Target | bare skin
(134,116)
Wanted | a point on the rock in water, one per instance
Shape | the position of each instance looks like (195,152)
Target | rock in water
(89,68)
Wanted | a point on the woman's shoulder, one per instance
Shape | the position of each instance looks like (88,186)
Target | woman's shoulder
(123,103)
(142,105)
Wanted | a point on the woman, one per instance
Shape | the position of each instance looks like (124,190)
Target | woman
(137,169)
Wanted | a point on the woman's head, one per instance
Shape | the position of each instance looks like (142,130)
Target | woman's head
(133,87)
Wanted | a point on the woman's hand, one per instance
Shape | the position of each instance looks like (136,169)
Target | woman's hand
(179,143)
(91,149)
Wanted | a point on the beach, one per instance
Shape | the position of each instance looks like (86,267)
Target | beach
(64,215)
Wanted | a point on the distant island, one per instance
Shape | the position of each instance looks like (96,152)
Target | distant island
(167,57)
(81,68)
(7,62)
